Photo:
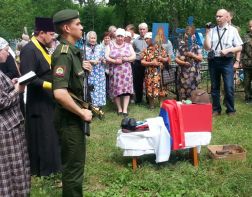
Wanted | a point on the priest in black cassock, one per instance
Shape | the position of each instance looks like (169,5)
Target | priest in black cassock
(42,138)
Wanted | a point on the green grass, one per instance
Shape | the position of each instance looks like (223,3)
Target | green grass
(108,173)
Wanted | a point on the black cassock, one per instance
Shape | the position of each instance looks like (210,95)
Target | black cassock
(42,138)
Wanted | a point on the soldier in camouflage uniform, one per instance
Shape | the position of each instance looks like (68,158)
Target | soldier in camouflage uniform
(246,58)
(68,76)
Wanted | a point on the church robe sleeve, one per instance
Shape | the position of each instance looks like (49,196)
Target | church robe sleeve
(29,62)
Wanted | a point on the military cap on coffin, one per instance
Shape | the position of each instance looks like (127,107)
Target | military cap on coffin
(65,15)
(44,24)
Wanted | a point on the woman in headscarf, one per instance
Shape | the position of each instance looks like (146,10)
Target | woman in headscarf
(10,69)
(154,58)
(97,76)
(120,55)
(14,160)
(106,40)
(188,58)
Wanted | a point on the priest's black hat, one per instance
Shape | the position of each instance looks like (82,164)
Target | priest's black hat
(44,24)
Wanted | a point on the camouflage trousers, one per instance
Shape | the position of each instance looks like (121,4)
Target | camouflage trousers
(247,83)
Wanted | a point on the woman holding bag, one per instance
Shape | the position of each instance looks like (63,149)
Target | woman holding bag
(119,54)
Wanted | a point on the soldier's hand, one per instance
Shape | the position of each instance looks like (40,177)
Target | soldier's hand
(87,66)
(86,115)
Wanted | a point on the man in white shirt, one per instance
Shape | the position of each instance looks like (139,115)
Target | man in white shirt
(222,42)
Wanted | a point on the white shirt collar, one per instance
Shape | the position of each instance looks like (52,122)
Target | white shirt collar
(223,27)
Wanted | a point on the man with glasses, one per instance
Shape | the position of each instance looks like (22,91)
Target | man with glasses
(222,42)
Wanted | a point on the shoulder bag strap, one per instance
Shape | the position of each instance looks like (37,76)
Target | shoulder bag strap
(220,37)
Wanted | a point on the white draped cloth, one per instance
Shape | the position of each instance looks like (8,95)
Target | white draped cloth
(154,141)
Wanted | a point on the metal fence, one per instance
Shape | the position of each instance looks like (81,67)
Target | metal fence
(205,82)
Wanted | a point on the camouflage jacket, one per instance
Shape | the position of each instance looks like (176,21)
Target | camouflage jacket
(246,54)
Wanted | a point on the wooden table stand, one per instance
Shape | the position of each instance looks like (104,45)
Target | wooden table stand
(134,163)
(194,156)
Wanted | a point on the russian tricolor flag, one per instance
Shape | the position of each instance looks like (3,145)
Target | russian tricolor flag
(189,125)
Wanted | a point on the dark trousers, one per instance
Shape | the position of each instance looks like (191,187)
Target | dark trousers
(222,66)
(138,78)
(73,153)
(247,83)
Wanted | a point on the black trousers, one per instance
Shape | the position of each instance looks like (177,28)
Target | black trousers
(138,78)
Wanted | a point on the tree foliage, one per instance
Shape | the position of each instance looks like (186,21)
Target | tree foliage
(176,12)
(14,15)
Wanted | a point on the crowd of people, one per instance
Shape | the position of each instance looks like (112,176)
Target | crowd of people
(120,68)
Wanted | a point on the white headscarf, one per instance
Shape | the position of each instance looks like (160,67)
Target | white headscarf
(3,43)
(120,32)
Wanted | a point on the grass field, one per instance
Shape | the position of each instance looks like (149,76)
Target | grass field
(108,173)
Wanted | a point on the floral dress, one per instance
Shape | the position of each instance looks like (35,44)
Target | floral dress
(97,75)
(152,76)
(189,77)
(121,80)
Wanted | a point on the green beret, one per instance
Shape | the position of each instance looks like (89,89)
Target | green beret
(65,15)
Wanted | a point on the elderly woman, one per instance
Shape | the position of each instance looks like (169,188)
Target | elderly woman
(188,58)
(112,29)
(154,58)
(106,40)
(97,76)
(120,55)
(14,160)
(10,69)
(128,37)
